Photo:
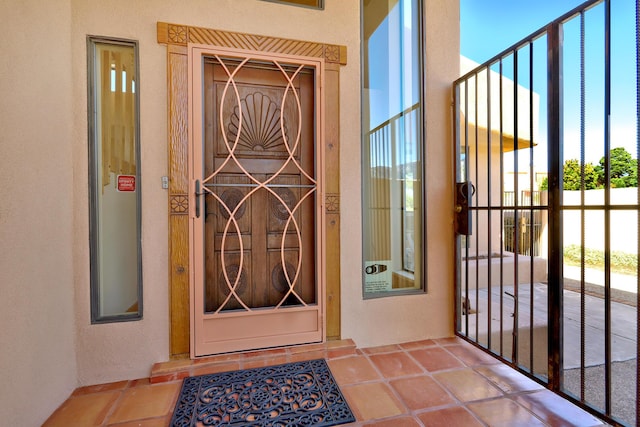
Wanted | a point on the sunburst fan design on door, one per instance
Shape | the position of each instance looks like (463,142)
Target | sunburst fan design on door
(261,123)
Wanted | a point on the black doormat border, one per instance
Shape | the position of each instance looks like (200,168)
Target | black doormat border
(292,394)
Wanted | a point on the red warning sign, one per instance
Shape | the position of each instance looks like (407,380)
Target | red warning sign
(126,183)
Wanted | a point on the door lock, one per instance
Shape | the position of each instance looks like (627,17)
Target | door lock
(463,221)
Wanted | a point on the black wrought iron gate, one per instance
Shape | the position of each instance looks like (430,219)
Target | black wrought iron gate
(548,207)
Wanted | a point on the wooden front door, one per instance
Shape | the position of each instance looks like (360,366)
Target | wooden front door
(256,256)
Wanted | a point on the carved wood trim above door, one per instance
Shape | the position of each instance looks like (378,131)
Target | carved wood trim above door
(183,34)
(176,37)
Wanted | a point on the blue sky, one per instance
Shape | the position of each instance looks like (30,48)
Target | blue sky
(490,26)
(501,23)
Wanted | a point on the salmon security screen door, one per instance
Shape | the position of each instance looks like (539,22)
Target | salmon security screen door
(255,185)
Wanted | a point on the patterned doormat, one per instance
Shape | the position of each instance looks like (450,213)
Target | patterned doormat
(293,394)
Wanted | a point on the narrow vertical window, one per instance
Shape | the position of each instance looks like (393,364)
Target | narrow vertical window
(393,208)
(114,180)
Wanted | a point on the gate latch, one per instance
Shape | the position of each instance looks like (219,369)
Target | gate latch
(464,193)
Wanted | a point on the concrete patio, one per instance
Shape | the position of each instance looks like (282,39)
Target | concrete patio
(623,339)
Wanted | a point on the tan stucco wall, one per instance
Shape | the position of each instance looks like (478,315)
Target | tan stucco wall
(47,338)
(37,351)
(403,318)
(125,350)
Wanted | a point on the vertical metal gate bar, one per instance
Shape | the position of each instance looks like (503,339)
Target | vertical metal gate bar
(466,178)
(475,205)
(489,205)
(638,210)
(516,210)
(501,214)
(607,203)
(582,210)
(458,308)
(555,148)
(531,203)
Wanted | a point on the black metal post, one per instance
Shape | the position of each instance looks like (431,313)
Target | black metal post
(554,138)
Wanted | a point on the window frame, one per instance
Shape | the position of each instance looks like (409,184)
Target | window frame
(402,274)
(319,4)
(94,144)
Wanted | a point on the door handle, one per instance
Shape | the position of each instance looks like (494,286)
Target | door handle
(198,194)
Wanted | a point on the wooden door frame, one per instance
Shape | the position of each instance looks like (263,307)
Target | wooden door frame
(176,38)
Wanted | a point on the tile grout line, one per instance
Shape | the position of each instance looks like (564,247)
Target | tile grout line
(425,373)
(457,403)
(444,387)
(435,380)
(115,404)
(389,386)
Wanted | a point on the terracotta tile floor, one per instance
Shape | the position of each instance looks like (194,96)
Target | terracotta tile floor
(444,382)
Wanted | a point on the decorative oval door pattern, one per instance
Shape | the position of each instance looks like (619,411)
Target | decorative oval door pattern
(255,140)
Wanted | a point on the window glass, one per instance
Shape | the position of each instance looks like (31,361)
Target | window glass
(114,177)
(392,147)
